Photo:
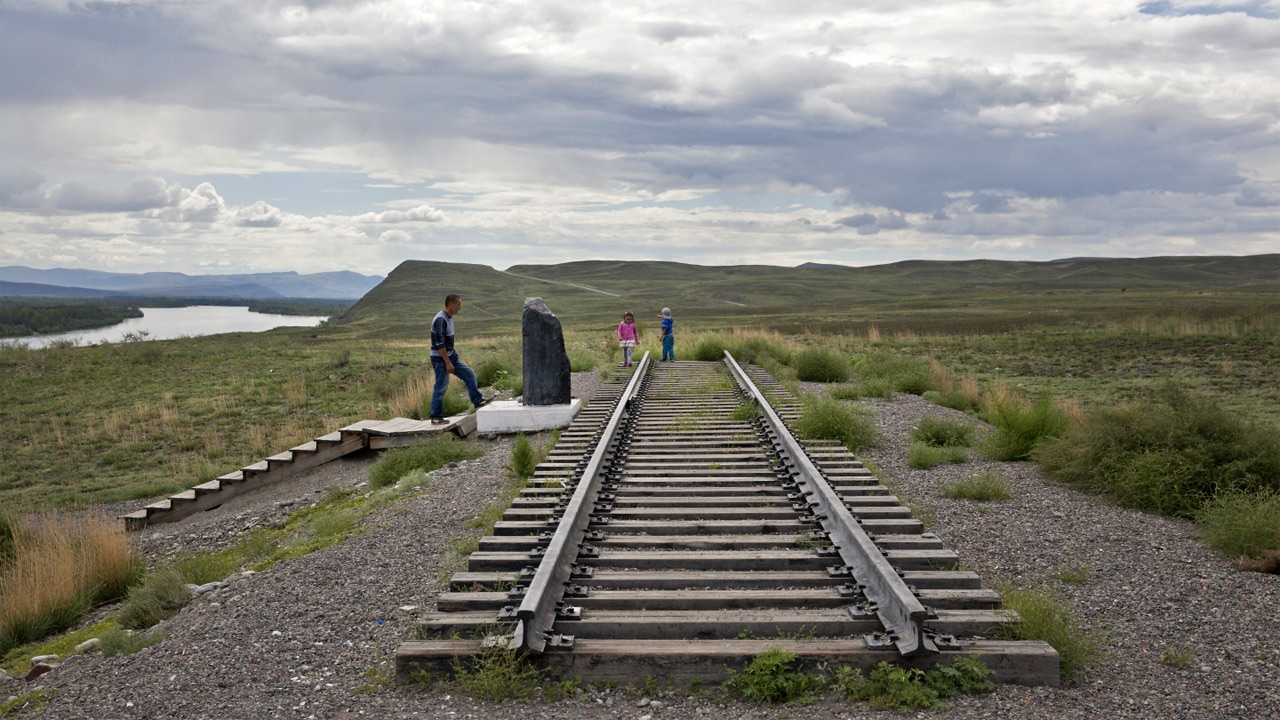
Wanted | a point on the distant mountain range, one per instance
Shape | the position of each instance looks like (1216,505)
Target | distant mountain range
(66,282)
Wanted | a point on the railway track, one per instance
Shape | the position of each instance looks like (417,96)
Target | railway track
(678,529)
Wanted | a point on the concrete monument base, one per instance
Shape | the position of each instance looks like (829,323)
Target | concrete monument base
(512,416)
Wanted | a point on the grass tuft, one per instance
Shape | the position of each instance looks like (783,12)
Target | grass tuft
(1043,615)
(941,432)
(922,457)
(159,597)
(820,365)
(119,641)
(827,419)
(1021,425)
(524,459)
(983,487)
(426,456)
(59,567)
(903,373)
(709,348)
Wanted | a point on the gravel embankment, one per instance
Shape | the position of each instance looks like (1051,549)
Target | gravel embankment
(300,640)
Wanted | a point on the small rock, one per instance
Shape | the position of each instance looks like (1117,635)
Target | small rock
(655,705)
(408,608)
(37,670)
(43,659)
(646,717)
(452,465)
(88,646)
(643,702)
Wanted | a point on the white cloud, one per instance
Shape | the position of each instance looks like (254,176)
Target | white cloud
(716,132)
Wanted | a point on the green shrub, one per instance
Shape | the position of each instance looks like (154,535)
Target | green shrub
(160,596)
(1169,454)
(709,348)
(941,432)
(524,459)
(499,674)
(775,368)
(889,686)
(752,348)
(820,365)
(827,419)
(1042,614)
(426,456)
(881,388)
(923,457)
(774,676)
(207,567)
(1242,524)
(6,537)
(1021,426)
(905,373)
(984,487)
(492,367)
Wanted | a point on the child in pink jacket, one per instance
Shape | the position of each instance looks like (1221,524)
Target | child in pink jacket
(627,337)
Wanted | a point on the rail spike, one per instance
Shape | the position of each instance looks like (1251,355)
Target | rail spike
(898,609)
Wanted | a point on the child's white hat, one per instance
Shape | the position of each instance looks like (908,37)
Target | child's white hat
(666,312)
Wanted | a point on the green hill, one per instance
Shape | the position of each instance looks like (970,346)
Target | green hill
(937,294)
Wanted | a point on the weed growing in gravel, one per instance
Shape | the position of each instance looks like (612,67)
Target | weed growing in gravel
(941,432)
(523,458)
(160,596)
(746,411)
(898,688)
(820,365)
(1074,574)
(1169,454)
(1178,656)
(118,641)
(774,676)
(1021,425)
(500,674)
(426,456)
(983,487)
(926,514)
(846,391)
(827,419)
(1242,524)
(1042,614)
(922,457)
(31,702)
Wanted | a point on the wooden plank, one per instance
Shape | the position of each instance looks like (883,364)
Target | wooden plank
(716,624)
(641,600)
(683,661)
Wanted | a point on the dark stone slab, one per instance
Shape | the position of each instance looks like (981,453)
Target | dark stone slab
(546,364)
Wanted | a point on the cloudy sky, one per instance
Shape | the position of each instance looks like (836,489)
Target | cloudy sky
(314,135)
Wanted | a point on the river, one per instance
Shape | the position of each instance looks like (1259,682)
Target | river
(169,323)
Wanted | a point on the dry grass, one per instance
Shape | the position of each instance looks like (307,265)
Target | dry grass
(295,392)
(412,396)
(1268,563)
(873,334)
(61,566)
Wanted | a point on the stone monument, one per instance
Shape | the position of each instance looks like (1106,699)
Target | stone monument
(547,402)
(546,364)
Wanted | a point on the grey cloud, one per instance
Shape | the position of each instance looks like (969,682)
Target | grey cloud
(859,220)
(20,188)
(670,31)
(141,194)
(1251,195)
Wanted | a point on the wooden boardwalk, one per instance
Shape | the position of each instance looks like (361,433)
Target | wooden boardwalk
(365,434)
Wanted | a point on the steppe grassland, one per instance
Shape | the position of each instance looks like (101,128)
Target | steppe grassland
(104,423)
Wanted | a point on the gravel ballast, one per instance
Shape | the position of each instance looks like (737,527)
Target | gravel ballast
(314,636)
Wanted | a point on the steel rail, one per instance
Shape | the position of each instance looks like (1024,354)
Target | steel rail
(899,610)
(540,603)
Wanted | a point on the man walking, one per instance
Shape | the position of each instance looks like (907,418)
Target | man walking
(445,362)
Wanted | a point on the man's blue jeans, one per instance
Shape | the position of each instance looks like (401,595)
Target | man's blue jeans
(464,373)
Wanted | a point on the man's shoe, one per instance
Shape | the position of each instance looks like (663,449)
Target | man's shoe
(483,402)
(438,421)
